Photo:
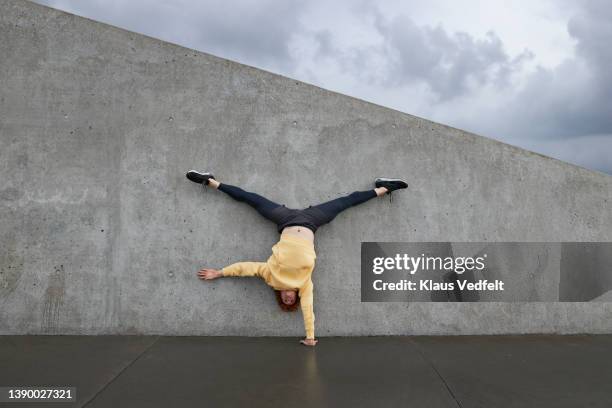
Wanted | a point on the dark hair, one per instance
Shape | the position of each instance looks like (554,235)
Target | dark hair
(287,308)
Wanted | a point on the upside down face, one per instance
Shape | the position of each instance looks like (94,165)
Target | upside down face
(288,297)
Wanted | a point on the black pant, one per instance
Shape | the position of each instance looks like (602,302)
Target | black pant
(312,217)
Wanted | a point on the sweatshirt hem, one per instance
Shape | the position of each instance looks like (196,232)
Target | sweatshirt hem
(298,240)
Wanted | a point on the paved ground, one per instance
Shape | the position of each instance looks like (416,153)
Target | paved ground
(466,371)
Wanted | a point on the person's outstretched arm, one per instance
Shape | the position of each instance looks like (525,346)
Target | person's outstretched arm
(306,302)
(259,269)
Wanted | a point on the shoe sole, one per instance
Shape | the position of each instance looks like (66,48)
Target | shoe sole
(199,174)
(390,180)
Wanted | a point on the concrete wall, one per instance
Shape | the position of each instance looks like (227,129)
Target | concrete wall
(101,232)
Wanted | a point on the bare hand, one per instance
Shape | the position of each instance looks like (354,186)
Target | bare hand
(309,342)
(208,274)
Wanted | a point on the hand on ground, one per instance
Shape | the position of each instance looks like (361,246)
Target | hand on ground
(208,274)
(309,342)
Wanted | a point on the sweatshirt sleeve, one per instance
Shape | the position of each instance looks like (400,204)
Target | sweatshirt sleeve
(258,269)
(306,302)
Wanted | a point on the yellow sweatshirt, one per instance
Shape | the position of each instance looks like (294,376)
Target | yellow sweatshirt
(289,268)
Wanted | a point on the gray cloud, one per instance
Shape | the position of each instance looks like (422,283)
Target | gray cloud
(575,98)
(566,112)
(449,63)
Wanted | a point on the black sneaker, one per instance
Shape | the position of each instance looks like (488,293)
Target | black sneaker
(390,183)
(201,178)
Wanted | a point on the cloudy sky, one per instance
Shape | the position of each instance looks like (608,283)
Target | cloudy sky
(536,74)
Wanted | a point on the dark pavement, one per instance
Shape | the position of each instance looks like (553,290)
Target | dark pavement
(461,371)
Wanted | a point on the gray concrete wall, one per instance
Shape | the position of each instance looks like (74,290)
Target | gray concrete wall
(101,232)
